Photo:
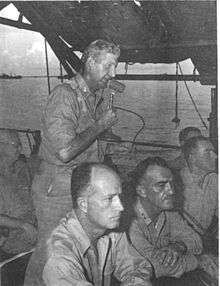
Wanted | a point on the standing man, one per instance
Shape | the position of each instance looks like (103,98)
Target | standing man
(158,233)
(80,250)
(71,126)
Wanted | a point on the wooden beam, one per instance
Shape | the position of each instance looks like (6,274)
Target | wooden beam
(17,24)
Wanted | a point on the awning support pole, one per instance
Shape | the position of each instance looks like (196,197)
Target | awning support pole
(213,118)
(47,65)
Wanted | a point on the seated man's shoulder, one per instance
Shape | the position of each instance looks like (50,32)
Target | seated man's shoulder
(210,181)
(212,177)
(61,240)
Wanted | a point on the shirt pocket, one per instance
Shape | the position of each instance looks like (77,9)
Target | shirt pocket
(109,269)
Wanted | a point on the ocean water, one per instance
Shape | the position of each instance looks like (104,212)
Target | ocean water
(22,102)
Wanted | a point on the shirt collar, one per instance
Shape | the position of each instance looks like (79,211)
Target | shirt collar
(79,81)
(141,213)
(82,85)
(72,224)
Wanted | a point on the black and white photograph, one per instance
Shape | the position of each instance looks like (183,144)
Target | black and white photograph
(109,143)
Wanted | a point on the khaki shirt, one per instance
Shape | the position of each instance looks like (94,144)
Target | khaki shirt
(170,227)
(70,110)
(68,261)
(200,196)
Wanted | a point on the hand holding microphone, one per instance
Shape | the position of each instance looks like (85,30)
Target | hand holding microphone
(109,118)
(114,87)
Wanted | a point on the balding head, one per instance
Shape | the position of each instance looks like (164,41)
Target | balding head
(86,174)
(96,195)
(199,153)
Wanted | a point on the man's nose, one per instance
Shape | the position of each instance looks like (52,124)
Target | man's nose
(112,72)
(169,188)
(214,155)
(118,204)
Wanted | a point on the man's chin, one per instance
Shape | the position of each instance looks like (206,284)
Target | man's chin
(168,205)
(104,83)
(113,225)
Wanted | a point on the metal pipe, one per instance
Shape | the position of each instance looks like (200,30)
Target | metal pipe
(47,65)
(150,77)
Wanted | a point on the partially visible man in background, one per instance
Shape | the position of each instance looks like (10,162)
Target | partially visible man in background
(200,183)
(17,215)
(200,197)
(186,133)
(71,126)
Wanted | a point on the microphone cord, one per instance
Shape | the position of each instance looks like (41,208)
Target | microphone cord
(139,130)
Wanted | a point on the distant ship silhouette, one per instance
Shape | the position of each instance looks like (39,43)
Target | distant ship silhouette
(6,76)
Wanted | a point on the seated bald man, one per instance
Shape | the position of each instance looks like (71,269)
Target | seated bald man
(83,249)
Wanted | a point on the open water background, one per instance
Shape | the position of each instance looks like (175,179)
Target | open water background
(22,102)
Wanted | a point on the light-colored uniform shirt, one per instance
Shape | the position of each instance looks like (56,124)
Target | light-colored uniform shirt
(69,259)
(170,227)
(200,196)
(69,111)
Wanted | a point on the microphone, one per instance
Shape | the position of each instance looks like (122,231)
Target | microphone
(114,86)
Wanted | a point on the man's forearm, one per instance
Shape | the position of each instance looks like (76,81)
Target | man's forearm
(81,142)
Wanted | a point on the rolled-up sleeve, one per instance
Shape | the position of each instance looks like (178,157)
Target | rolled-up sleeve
(61,117)
(130,267)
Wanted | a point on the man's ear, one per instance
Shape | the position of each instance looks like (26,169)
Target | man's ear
(90,63)
(82,204)
(141,191)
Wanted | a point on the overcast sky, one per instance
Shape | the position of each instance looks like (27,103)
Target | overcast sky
(22,52)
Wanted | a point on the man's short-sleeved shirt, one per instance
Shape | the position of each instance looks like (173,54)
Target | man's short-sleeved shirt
(69,261)
(169,227)
(68,112)
(200,196)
